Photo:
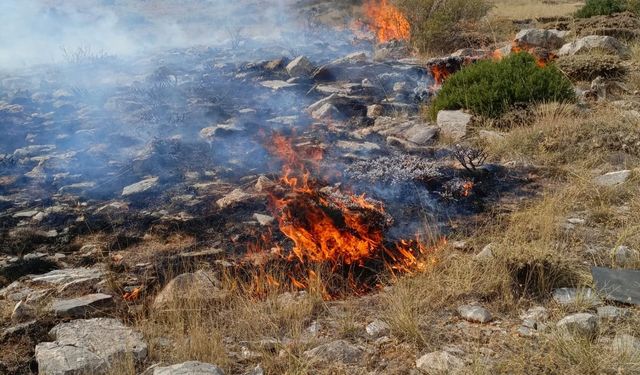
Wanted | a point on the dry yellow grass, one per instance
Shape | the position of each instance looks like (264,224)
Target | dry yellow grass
(526,9)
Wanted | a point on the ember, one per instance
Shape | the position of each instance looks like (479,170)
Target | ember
(387,21)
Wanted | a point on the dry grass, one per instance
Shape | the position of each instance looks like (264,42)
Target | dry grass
(526,9)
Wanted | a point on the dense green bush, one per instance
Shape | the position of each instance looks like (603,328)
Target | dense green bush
(489,88)
(436,25)
(606,7)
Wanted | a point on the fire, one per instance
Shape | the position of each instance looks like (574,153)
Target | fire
(542,57)
(387,21)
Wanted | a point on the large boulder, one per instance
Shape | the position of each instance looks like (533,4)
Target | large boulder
(590,43)
(90,346)
(548,39)
(189,368)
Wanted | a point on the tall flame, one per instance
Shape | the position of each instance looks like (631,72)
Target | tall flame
(387,21)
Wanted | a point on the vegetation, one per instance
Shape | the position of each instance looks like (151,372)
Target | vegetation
(607,7)
(490,88)
(437,25)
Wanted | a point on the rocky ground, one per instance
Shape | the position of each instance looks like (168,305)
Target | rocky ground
(136,213)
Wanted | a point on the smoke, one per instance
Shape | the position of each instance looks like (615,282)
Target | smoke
(53,31)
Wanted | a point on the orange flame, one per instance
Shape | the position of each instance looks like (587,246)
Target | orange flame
(542,57)
(387,21)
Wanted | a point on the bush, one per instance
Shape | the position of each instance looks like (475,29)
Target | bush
(588,67)
(489,88)
(437,25)
(607,7)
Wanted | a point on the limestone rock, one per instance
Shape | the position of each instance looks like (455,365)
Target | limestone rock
(235,197)
(566,296)
(140,187)
(326,112)
(612,179)
(189,287)
(548,39)
(263,220)
(189,368)
(81,307)
(476,314)
(600,43)
(440,362)
(22,312)
(339,350)
(88,347)
(486,253)
(299,67)
(453,124)
(378,328)
(612,312)
(582,324)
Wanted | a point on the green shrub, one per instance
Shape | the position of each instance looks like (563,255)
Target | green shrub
(489,88)
(437,25)
(606,7)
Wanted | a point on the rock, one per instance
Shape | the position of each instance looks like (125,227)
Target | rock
(233,198)
(375,110)
(566,296)
(358,147)
(82,307)
(276,84)
(69,275)
(590,43)
(612,312)
(140,187)
(453,124)
(581,324)
(187,288)
(88,347)
(537,314)
(624,256)
(486,253)
(339,350)
(548,39)
(300,67)
(189,368)
(440,362)
(612,179)
(326,112)
(264,184)
(576,221)
(421,134)
(378,328)
(22,312)
(476,314)
(263,220)
(626,344)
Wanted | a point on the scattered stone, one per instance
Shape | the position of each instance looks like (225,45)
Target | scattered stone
(548,39)
(189,287)
(140,187)
(82,307)
(612,312)
(69,275)
(326,112)
(576,221)
(590,43)
(453,124)
(189,368)
(582,324)
(339,350)
(537,314)
(439,362)
(277,85)
(264,184)
(300,67)
(378,328)
(375,111)
(624,256)
(626,344)
(89,347)
(358,147)
(486,253)
(421,135)
(22,312)
(567,296)
(474,313)
(612,179)
(233,198)
(263,220)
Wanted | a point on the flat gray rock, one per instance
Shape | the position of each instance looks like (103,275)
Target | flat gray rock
(378,328)
(189,368)
(612,179)
(339,350)
(582,324)
(189,288)
(619,285)
(453,124)
(88,347)
(612,312)
(81,307)
(566,296)
(549,39)
(477,314)
(600,43)
(440,362)
(140,187)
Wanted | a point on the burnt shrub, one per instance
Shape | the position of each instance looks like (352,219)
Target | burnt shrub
(443,25)
(490,88)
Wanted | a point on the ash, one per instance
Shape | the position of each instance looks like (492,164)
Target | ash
(394,169)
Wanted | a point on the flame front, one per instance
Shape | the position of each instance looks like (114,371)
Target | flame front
(387,21)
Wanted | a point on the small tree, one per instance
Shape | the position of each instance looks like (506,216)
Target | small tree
(489,88)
